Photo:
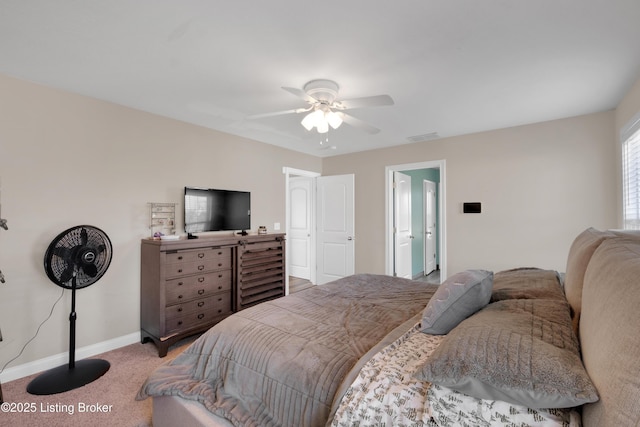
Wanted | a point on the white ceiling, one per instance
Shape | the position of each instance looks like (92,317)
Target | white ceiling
(452,66)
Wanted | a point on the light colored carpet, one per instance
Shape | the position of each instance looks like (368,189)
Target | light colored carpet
(115,392)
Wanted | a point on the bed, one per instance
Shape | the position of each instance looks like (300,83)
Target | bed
(480,349)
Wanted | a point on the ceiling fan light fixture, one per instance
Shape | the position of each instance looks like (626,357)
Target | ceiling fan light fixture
(315,119)
(334,119)
(307,122)
(322,126)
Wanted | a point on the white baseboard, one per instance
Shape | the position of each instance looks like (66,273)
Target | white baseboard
(40,365)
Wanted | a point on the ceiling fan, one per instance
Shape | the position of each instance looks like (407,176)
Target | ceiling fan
(325,109)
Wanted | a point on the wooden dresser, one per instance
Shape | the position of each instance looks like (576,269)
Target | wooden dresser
(187,286)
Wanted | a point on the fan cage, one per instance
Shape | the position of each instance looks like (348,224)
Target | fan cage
(64,252)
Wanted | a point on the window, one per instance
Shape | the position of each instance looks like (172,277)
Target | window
(631,175)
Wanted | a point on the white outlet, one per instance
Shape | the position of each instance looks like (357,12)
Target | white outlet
(276,226)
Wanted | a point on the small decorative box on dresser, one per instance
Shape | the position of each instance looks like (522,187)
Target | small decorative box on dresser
(188,285)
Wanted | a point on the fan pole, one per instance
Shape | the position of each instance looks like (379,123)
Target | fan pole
(72,324)
(65,378)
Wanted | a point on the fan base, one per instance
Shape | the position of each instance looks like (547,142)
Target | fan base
(62,378)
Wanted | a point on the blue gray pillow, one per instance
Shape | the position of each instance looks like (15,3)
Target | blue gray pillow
(457,298)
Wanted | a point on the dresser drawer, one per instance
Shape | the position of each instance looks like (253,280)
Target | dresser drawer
(198,286)
(201,316)
(194,267)
(217,304)
(192,255)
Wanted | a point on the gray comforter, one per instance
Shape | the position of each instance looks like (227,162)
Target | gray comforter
(283,361)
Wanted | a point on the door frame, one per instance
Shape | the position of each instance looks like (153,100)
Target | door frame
(389,240)
(292,172)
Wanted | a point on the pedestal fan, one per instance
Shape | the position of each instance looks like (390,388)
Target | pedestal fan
(75,259)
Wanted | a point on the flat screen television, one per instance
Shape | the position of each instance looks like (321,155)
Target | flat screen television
(207,209)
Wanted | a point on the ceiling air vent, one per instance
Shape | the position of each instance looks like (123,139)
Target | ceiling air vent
(424,137)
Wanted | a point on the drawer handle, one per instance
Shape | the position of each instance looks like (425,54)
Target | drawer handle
(180,257)
(200,291)
(179,322)
(179,270)
(219,264)
(219,310)
(219,287)
(200,255)
(180,283)
(201,303)
(220,253)
(201,267)
(179,296)
(179,309)
(219,299)
(200,316)
(200,279)
(219,276)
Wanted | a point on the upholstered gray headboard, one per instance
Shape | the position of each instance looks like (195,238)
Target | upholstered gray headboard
(609,329)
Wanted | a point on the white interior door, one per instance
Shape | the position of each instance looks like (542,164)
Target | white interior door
(335,227)
(402,225)
(429,190)
(300,226)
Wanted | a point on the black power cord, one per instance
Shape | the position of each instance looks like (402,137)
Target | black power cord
(36,334)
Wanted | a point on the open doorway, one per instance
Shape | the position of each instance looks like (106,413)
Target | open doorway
(320,225)
(420,173)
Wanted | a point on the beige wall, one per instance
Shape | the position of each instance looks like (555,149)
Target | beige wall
(67,160)
(539,186)
(629,106)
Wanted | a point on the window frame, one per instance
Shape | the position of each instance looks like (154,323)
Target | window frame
(630,157)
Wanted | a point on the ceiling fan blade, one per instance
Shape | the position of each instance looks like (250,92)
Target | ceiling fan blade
(278,113)
(367,101)
(300,94)
(359,124)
